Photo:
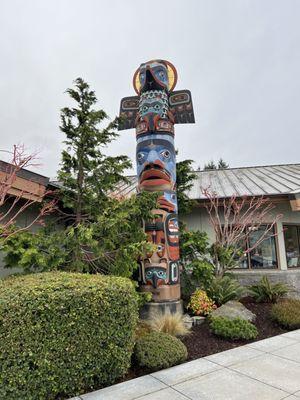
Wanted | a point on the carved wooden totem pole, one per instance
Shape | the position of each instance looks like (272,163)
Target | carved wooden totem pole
(153,112)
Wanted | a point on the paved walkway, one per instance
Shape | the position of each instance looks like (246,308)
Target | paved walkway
(264,370)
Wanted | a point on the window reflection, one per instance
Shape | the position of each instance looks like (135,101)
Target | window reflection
(264,256)
(292,245)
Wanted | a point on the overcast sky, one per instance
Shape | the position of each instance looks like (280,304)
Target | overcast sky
(239,58)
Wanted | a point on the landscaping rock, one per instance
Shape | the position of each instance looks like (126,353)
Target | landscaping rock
(234,309)
(188,321)
(198,320)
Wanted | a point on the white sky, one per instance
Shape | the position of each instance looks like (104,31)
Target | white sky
(239,58)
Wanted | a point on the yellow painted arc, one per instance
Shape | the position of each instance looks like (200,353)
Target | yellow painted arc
(172,76)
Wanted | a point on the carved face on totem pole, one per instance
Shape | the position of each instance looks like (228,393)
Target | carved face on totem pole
(156,164)
(153,112)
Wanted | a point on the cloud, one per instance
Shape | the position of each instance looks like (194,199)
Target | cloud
(240,59)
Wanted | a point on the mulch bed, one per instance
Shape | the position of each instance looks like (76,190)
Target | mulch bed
(201,342)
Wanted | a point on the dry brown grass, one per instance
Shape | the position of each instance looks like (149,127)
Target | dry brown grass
(142,329)
(168,323)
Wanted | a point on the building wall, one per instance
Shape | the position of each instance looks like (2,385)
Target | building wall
(198,219)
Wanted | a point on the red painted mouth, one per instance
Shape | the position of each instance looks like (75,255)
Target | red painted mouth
(166,205)
(154,177)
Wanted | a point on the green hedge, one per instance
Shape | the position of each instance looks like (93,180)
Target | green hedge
(157,350)
(62,334)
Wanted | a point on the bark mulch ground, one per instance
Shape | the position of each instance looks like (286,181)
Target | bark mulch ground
(202,342)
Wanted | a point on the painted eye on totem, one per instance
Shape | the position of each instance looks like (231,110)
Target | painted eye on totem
(144,109)
(157,107)
(149,274)
(166,154)
(160,274)
(140,156)
(173,196)
(161,74)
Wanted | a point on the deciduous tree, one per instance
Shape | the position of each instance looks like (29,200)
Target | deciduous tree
(13,204)
(233,220)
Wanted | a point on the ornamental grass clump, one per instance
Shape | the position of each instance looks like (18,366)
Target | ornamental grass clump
(233,329)
(173,324)
(158,350)
(62,334)
(287,313)
(201,304)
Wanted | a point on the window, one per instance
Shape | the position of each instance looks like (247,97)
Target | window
(263,256)
(292,245)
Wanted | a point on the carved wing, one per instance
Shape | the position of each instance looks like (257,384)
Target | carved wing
(182,107)
(128,112)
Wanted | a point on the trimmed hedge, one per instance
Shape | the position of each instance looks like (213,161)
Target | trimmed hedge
(234,329)
(287,313)
(157,350)
(62,334)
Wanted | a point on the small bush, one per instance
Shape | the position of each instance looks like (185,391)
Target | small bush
(287,313)
(234,329)
(223,289)
(159,350)
(266,292)
(173,324)
(62,334)
(200,303)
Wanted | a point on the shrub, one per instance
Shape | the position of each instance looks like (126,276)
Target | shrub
(159,350)
(62,334)
(235,329)
(200,303)
(198,271)
(223,289)
(287,313)
(266,292)
(173,324)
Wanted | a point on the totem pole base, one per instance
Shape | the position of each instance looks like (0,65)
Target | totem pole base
(152,308)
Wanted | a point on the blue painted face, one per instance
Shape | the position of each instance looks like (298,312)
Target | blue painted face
(154,75)
(156,165)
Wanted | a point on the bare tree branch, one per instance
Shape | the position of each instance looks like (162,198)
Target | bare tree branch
(233,221)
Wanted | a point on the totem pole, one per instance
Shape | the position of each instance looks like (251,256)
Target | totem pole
(153,112)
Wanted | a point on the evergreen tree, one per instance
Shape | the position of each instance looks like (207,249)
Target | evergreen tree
(185,177)
(211,165)
(86,173)
(102,233)
(222,164)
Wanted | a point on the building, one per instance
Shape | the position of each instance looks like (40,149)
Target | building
(279,256)
(28,185)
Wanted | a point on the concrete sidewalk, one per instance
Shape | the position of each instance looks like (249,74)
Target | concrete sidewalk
(265,370)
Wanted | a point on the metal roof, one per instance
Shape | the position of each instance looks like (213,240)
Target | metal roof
(24,173)
(248,181)
(245,181)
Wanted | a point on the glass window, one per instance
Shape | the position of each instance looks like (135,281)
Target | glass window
(264,255)
(292,245)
